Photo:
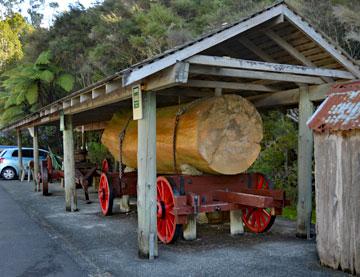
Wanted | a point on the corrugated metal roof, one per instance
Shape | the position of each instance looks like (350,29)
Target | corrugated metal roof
(340,111)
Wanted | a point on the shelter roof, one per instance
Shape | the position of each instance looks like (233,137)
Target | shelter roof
(273,50)
(340,111)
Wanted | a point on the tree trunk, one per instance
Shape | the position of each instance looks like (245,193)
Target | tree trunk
(218,135)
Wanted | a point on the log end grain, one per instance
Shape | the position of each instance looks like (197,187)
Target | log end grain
(230,133)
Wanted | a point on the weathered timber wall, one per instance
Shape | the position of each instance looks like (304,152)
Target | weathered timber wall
(337,181)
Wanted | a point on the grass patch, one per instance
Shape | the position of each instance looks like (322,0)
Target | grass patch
(291,213)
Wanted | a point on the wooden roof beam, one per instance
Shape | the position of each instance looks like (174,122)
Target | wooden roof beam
(169,77)
(96,126)
(256,50)
(216,61)
(113,85)
(288,97)
(228,85)
(97,92)
(186,92)
(292,51)
(253,74)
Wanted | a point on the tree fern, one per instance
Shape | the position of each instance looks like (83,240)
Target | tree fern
(44,58)
(46,76)
(32,94)
(11,101)
(32,85)
(20,98)
(12,113)
(65,81)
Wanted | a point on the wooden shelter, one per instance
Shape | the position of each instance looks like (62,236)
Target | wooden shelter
(336,125)
(273,58)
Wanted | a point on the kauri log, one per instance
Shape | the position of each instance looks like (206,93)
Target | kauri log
(218,135)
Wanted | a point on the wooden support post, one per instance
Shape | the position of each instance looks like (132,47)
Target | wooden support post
(83,138)
(146,186)
(218,91)
(305,155)
(20,161)
(236,223)
(124,204)
(69,165)
(190,228)
(36,159)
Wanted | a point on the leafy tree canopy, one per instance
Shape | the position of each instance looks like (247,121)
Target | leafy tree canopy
(12,29)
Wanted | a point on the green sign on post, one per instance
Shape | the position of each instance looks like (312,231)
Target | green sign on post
(137,102)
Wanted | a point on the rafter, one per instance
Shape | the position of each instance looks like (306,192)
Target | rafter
(322,41)
(256,50)
(292,51)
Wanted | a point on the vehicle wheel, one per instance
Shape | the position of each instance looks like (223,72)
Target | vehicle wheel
(8,173)
(255,219)
(106,195)
(167,229)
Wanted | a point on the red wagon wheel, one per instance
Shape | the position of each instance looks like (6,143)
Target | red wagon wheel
(105,166)
(259,220)
(167,229)
(106,195)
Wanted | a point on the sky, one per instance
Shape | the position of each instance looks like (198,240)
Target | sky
(49,13)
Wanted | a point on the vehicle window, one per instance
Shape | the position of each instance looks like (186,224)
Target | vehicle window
(2,153)
(15,153)
(27,153)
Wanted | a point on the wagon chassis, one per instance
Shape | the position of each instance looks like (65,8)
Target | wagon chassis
(84,173)
(181,197)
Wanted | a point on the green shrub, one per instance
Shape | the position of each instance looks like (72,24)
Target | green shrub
(97,152)
(278,156)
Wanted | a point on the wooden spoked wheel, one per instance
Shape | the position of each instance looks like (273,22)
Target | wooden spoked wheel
(167,229)
(106,195)
(259,220)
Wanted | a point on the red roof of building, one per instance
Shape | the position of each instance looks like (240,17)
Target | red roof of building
(340,111)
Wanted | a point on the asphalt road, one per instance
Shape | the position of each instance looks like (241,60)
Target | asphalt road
(40,239)
(28,250)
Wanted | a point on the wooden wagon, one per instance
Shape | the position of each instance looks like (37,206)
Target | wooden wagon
(84,173)
(180,197)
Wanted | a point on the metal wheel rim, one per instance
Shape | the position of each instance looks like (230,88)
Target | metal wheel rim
(166,221)
(104,194)
(8,173)
(257,219)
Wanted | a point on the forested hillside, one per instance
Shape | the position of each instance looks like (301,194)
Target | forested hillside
(39,65)
(89,44)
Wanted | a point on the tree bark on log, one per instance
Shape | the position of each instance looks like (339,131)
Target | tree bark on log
(218,135)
